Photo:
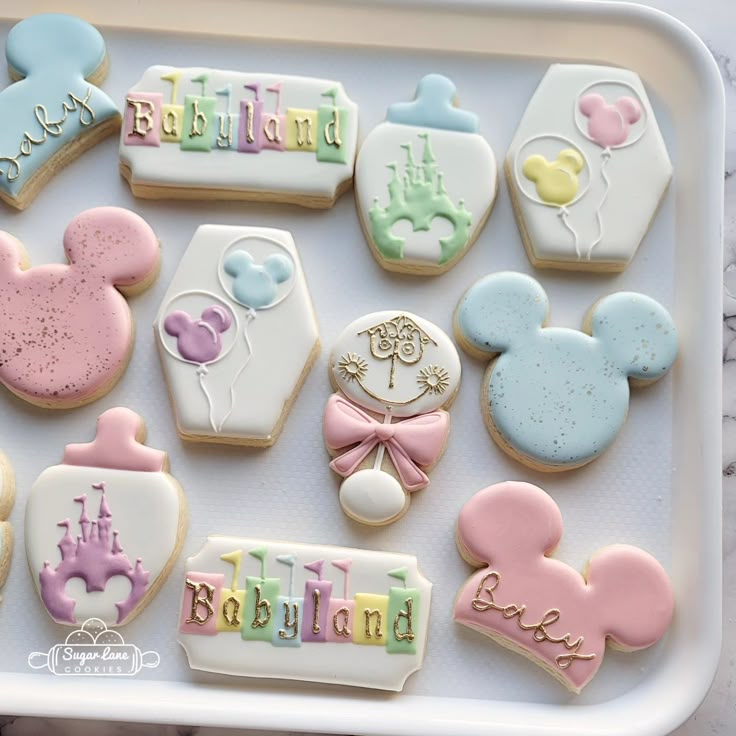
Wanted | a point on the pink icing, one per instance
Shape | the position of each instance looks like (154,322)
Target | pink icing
(608,125)
(411,443)
(95,557)
(65,330)
(207,615)
(150,107)
(116,445)
(511,528)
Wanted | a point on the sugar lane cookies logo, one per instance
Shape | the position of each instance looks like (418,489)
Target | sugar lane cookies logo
(94,650)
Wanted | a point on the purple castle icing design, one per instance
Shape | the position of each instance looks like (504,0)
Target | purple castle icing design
(95,557)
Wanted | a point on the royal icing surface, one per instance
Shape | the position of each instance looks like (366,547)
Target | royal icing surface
(236,332)
(304,612)
(587,167)
(557,396)
(52,105)
(425,181)
(7,496)
(259,136)
(394,372)
(525,600)
(66,331)
(102,527)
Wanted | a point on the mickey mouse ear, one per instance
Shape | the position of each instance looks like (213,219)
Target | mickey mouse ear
(498,311)
(638,333)
(237,262)
(217,317)
(176,322)
(279,267)
(511,518)
(629,108)
(632,594)
(589,103)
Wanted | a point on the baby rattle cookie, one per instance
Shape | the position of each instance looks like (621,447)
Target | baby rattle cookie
(587,168)
(310,612)
(53,111)
(544,609)
(237,334)
(394,374)
(439,197)
(66,330)
(555,398)
(112,561)
(7,497)
(195,133)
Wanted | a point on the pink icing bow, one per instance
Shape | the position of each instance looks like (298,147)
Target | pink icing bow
(410,443)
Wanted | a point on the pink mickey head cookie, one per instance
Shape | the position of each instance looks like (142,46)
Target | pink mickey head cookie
(199,340)
(608,124)
(528,602)
(66,331)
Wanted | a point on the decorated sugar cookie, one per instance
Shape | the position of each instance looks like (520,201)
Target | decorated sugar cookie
(394,374)
(425,182)
(304,612)
(53,111)
(540,607)
(237,334)
(104,527)
(7,496)
(555,398)
(66,330)
(587,168)
(194,133)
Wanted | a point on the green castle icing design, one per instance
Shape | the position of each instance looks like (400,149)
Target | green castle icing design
(418,197)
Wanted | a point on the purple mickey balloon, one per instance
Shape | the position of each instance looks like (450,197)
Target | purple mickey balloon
(200,340)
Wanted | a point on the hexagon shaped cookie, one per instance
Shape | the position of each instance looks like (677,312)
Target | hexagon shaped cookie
(237,334)
(587,168)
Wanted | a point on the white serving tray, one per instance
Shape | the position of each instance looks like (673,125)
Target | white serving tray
(658,487)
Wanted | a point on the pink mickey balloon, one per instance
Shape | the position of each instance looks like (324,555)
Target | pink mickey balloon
(200,340)
(609,125)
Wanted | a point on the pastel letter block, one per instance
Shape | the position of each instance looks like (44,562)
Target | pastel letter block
(201,600)
(371,619)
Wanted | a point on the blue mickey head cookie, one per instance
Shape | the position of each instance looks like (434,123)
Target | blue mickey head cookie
(555,398)
(54,111)
(256,285)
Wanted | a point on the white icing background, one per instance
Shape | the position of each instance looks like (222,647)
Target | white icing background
(624,496)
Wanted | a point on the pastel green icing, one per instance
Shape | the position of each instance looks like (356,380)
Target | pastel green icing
(205,123)
(328,149)
(270,589)
(559,396)
(397,603)
(418,195)
(54,53)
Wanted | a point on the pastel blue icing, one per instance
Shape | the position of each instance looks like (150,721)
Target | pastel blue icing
(54,53)
(433,107)
(559,396)
(256,285)
(278,614)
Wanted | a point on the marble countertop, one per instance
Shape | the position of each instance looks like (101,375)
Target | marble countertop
(715,22)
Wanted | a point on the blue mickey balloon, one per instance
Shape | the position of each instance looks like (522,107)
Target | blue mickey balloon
(255,285)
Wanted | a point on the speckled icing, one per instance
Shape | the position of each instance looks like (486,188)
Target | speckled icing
(556,396)
(53,104)
(65,330)
(525,600)
(102,527)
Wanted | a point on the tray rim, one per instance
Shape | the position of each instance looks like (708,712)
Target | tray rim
(179,700)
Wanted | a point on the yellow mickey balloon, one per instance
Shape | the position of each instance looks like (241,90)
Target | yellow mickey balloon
(556,181)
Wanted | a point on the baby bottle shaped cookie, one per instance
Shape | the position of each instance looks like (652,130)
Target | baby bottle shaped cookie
(386,425)
(120,519)
(425,182)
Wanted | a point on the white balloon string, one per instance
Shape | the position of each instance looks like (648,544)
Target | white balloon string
(381,446)
(202,372)
(605,156)
(562,214)
(249,317)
